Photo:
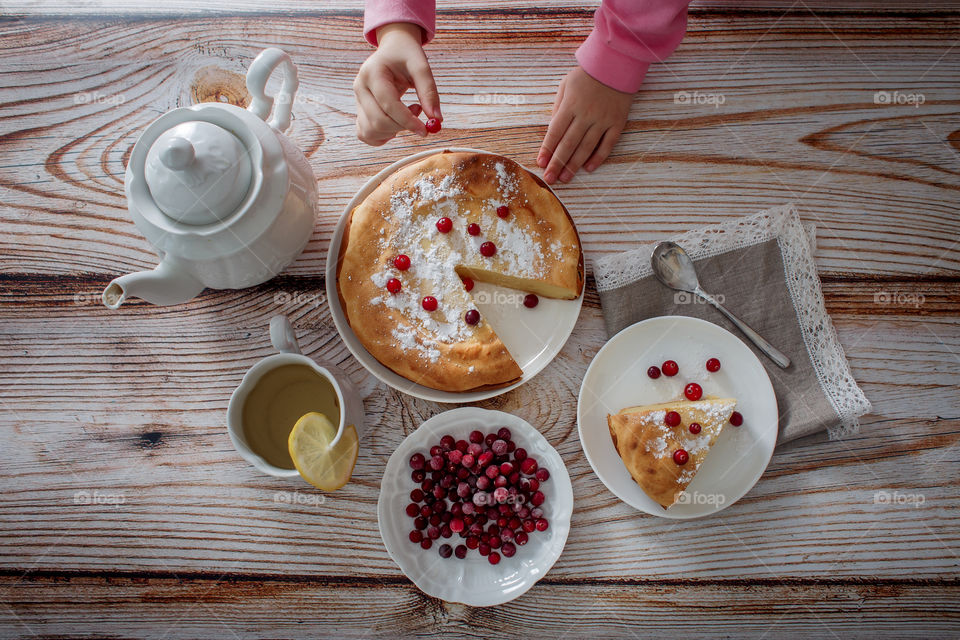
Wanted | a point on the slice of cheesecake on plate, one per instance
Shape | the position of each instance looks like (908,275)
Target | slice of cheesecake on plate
(659,447)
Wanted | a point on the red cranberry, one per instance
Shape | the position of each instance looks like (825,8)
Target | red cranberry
(416,536)
(471,317)
(521,538)
(503,211)
(462,446)
(472,542)
(670,368)
(432,125)
(413,510)
(693,391)
(476,436)
(402,262)
(425,511)
(445,551)
(504,433)
(393,285)
(533,484)
(460,551)
(653,372)
(445,531)
(426,543)
(494,558)
(495,542)
(467,283)
(447,442)
(416,495)
(736,418)
(485,458)
(529,525)
(542,475)
(429,303)
(508,549)
(542,524)
(484,549)
(492,471)
(418,475)
(530,300)
(537,498)
(420,522)
(473,229)
(499,447)
(713,365)
(489,438)
(672,418)
(506,468)
(455,457)
(436,463)
(694,428)
(680,456)
(417,461)
(487,249)
(520,454)
(467,460)
(483,482)
(436,450)
(528,466)
(444,225)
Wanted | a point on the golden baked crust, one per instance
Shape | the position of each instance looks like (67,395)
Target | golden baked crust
(646,444)
(538,250)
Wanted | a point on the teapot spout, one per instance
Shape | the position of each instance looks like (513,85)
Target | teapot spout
(166,284)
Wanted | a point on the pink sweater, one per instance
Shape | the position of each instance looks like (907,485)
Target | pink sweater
(627,35)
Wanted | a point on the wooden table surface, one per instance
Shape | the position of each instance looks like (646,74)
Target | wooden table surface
(125,510)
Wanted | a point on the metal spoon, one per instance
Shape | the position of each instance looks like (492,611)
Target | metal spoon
(674,268)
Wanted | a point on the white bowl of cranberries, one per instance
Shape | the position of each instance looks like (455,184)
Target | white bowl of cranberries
(475,506)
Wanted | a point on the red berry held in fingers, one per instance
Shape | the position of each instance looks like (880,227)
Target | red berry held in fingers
(694,427)
(402,262)
(653,372)
(471,317)
(693,391)
(487,249)
(432,125)
(713,365)
(429,303)
(530,300)
(444,225)
(503,211)
(671,419)
(680,456)
(473,229)
(736,418)
(670,368)
(467,283)
(393,285)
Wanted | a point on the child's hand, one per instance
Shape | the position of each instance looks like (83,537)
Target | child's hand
(397,65)
(588,117)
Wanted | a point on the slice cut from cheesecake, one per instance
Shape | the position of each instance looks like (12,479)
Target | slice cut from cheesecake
(649,446)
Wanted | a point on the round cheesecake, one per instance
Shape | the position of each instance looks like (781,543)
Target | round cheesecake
(452,216)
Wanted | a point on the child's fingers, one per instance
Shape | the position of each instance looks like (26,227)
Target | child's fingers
(400,114)
(569,143)
(558,126)
(584,150)
(373,125)
(609,139)
(543,156)
(426,89)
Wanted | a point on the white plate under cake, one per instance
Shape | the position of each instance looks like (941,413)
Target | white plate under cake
(535,249)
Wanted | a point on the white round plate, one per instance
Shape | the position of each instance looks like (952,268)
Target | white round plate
(617,378)
(473,581)
(532,336)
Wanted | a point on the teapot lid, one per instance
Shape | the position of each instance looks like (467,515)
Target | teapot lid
(198,172)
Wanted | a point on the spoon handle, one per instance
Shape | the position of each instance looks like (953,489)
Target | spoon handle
(772,352)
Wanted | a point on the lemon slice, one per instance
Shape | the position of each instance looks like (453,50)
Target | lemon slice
(325,467)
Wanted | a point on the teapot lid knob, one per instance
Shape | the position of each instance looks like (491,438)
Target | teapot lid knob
(177,154)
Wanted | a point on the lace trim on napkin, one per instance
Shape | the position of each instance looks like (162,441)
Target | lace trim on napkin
(796,247)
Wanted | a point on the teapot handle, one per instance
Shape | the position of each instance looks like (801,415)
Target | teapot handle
(257,76)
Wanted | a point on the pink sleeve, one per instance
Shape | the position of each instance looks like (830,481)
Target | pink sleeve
(380,12)
(627,36)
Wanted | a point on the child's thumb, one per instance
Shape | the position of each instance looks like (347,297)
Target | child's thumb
(426,90)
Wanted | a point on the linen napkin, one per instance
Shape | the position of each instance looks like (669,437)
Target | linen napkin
(762,266)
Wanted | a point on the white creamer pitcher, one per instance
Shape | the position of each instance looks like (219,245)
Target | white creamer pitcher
(224,197)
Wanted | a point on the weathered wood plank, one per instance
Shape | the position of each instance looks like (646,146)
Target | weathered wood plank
(173,607)
(798,123)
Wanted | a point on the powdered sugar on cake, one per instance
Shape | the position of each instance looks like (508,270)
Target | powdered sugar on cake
(434,256)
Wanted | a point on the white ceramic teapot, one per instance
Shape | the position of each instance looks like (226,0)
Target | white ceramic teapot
(225,198)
